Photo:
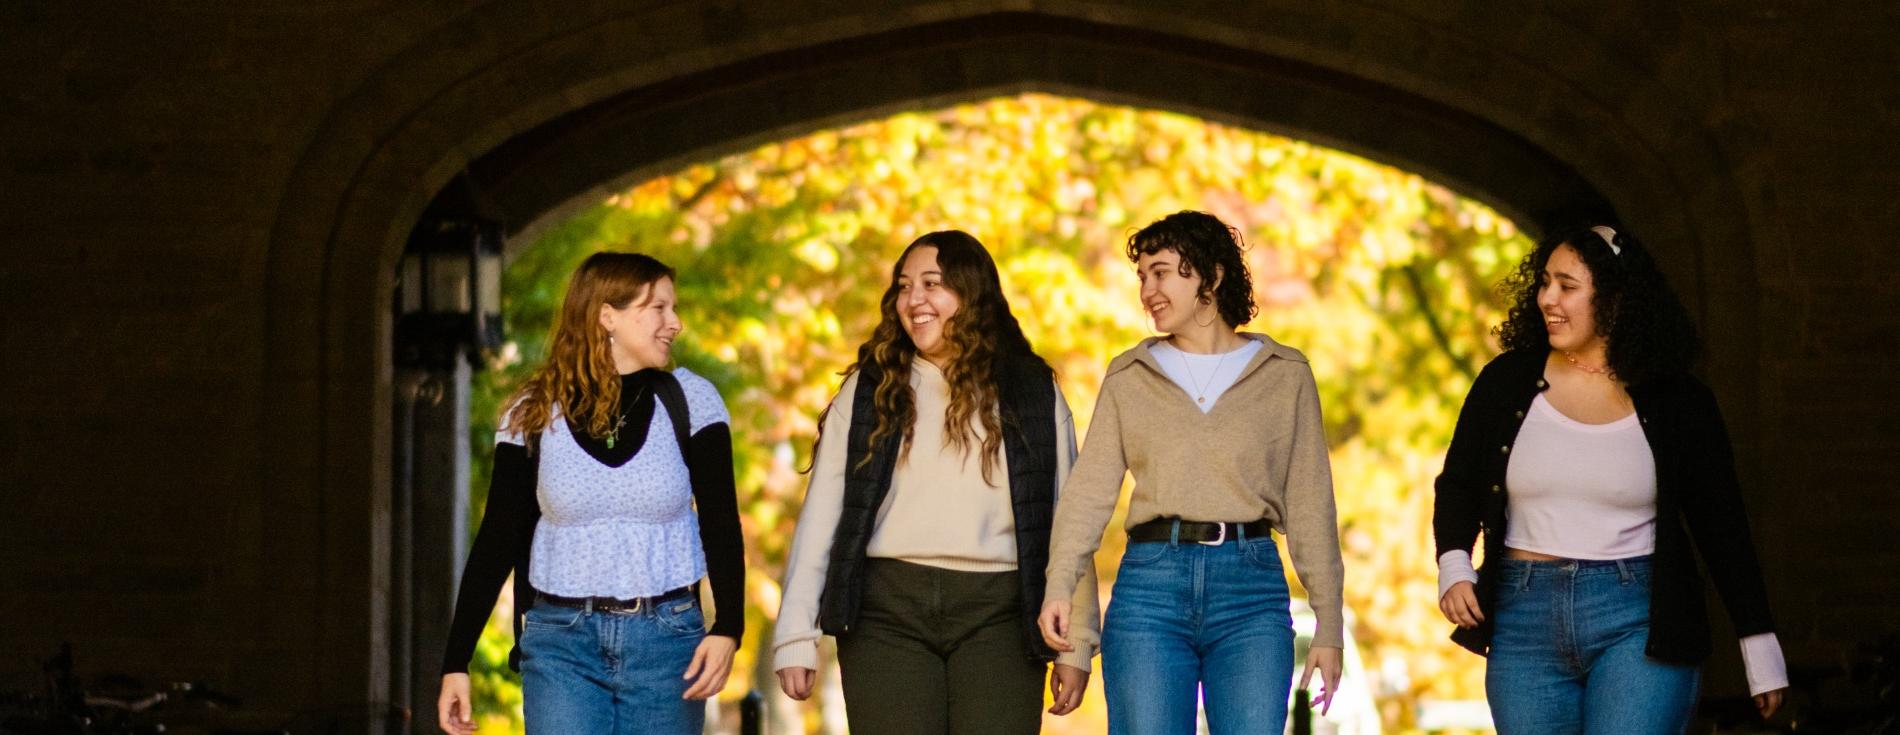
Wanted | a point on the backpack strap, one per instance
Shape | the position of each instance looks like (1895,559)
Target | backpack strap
(673,396)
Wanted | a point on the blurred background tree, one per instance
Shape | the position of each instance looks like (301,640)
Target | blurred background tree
(1382,278)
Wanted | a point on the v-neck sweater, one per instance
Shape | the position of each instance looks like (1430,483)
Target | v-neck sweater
(1260,453)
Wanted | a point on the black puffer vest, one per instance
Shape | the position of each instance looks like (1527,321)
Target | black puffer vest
(1027,398)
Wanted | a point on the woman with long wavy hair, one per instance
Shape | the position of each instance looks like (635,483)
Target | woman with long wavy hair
(925,527)
(602,457)
(1598,470)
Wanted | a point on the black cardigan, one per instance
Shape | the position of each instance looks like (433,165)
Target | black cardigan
(506,534)
(1697,498)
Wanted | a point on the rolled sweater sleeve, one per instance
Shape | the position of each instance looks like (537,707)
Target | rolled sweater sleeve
(795,639)
(1087,499)
(1085,616)
(1312,531)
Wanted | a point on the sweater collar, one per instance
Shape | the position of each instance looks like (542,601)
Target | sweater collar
(1141,354)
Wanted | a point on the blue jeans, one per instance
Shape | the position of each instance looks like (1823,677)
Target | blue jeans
(1567,655)
(585,671)
(1187,614)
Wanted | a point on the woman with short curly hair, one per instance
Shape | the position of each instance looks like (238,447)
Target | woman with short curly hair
(1597,469)
(1222,431)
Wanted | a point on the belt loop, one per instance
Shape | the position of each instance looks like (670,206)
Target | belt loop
(1174,533)
(1623,571)
(1240,529)
(588,607)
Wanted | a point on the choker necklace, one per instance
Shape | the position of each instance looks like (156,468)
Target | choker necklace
(1603,371)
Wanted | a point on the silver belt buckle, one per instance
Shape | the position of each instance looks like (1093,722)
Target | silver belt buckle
(1219,538)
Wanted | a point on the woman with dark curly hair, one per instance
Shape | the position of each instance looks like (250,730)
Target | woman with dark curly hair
(1222,431)
(921,542)
(1597,469)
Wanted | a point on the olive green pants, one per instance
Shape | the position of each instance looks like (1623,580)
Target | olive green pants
(939,652)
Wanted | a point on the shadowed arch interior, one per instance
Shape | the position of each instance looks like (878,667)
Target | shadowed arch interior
(549,120)
(593,151)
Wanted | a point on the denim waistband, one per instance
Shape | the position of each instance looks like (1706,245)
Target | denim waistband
(1578,566)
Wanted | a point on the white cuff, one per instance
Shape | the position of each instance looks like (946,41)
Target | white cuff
(1761,657)
(800,654)
(1454,567)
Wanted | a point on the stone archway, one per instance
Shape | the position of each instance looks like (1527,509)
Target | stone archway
(544,109)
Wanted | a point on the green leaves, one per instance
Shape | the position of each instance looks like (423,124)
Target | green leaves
(1382,278)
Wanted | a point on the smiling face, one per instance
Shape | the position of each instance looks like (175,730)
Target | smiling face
(1565,297)
(1171,299)
(925,305)
(644,329)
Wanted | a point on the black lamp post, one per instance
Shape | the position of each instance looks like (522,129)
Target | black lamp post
(448,318)
(448,302)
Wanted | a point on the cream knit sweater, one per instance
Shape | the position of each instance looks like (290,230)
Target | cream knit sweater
(1260,453)
(940,512)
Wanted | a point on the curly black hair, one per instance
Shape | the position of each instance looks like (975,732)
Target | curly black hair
(1646,330)
(1206,246)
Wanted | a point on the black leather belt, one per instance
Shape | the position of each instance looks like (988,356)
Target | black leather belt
(1200,532)
(616,605)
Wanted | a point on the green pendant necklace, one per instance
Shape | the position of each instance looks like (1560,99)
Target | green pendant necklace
(614,436)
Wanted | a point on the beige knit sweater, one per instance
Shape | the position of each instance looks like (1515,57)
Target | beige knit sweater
(939,512)
(1259,453)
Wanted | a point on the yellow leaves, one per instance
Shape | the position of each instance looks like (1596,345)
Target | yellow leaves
(785,249)
(820,255)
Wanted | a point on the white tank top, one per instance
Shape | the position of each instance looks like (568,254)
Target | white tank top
(1581,491)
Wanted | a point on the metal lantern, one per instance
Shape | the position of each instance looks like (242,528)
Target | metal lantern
(448,300)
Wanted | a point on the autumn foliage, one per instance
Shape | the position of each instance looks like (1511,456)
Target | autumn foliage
(1382,278)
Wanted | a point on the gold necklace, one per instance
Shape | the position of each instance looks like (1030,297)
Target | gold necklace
(1603,371)
(1200,387)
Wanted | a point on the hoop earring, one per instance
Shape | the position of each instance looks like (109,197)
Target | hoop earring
(1210,322)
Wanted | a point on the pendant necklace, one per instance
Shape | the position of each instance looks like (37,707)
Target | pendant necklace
(1200,386)
(614,436)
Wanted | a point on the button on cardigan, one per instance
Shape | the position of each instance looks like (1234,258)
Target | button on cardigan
(1698,503)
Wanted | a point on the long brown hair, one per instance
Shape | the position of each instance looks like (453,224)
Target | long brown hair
(983,332)
(579,375)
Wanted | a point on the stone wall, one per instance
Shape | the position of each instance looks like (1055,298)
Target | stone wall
(206,203)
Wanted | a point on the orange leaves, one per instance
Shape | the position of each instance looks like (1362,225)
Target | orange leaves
(784,251)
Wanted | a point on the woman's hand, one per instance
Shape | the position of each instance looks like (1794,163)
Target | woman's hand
(1066,685)
(1054,623)
(796,681)
(1460,605)
(452,710)
(712,663)
(1768,702)
(1328,659)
